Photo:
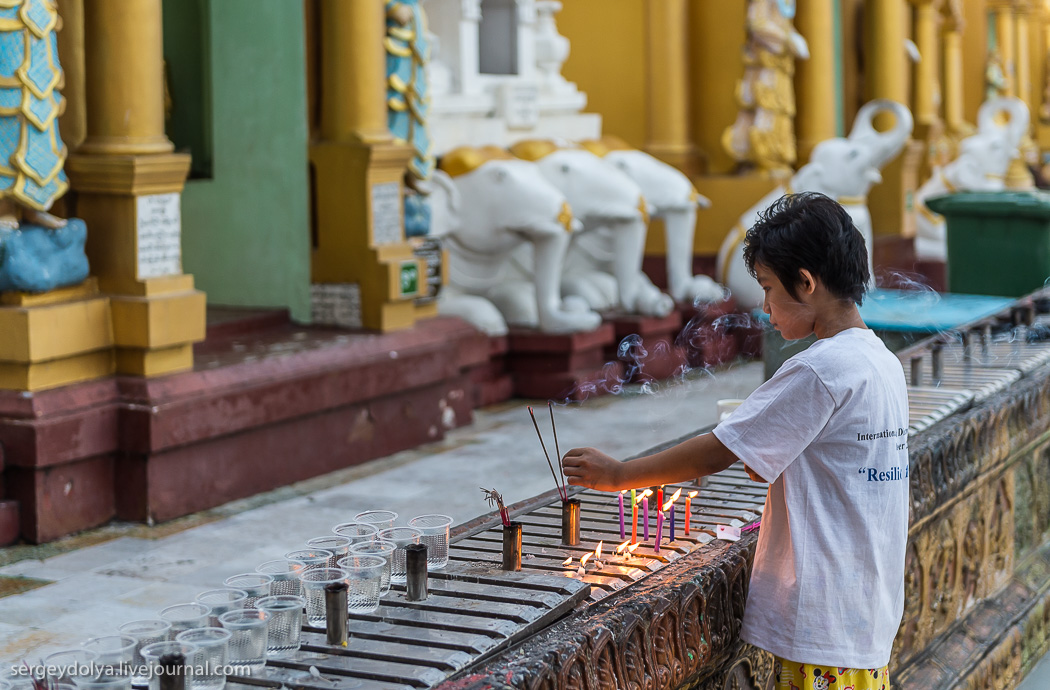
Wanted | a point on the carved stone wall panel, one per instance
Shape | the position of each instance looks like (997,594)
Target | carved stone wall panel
(1032,501)
(999,523)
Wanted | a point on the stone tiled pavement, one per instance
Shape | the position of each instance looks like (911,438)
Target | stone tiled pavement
(126,572)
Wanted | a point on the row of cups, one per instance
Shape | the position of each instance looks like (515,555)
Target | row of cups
(256,615)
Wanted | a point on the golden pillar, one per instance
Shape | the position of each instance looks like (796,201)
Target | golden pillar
(927,89)
(954,102)
(358,175)
(815,77)
(667,24)
(891,202)
(1019,176)
(1005,31)
(129,185)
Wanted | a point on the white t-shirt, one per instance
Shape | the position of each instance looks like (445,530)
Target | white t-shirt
(829,432)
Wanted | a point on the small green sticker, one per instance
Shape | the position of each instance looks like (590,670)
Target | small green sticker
(409,278)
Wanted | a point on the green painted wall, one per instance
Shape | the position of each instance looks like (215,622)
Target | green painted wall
(245,229)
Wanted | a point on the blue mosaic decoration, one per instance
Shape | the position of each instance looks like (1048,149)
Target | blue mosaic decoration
(36,259)
(417,215)
(408,105)
(32,154)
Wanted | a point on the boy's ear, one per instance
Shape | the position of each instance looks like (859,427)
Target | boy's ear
(807,283)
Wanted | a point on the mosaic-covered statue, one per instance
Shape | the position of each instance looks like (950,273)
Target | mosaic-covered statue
(37,250)
(408,105)
(763,134)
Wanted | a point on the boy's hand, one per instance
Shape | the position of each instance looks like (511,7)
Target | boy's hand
(755,477)
(593,469)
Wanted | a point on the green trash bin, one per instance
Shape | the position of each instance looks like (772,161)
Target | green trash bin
(998,242)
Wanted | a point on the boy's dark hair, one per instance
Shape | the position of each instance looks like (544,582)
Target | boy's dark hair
(811,231)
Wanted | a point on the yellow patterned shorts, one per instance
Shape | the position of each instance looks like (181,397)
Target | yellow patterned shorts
(791,675)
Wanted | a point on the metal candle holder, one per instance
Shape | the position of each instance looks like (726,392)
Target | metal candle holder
(512,546)
(570,522)
(416,572)
(335,613)
(173,672)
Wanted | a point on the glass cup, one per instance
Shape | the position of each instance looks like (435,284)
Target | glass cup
(116,653)
(364,576)
(71,666)
(220,601)
(256,585)
(247,637)
(153,653)
(310,558)
(185,617)
(339,546)
(401,537)
(286,622)
(105,683)
(314,582)
(145,632)
(435,529)
(285,574)
(213,648)
(380,519)
(380,547)
(356,531)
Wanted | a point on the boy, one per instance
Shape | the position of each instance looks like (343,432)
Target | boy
(829,433)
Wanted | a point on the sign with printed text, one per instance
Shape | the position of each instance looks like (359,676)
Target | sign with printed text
(409,281)
(386,214)
(336,304)
(520,105)
(159,233)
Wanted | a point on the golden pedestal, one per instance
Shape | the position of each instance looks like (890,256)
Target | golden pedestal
(55,338)
(360,231)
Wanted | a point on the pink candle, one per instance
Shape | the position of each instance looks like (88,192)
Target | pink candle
(645,519)
(622,535)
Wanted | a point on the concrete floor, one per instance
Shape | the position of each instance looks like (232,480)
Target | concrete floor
(61,594)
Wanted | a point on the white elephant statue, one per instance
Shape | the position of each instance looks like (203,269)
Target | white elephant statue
(673,199)
(603,265)
(487,204)
(843,168)
(981,166)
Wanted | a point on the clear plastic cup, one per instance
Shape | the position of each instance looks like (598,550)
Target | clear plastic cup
(310,558)
(363,578)
(338,545)
(153,653)
(285,574)
(284,629)
(380,519)
(356,531)
(71,665)
(256,585)
(220,601)
(380,547)
(185,617)
(145,632)
(401,537)
(314,582)
(116,653)
(247,637)
(435,529)
(213,648)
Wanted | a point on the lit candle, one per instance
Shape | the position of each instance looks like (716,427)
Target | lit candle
(660,497)
(634,518)
(672,537)
(622,536)
(670,504)
(659,526)
(645,517)
(688,509)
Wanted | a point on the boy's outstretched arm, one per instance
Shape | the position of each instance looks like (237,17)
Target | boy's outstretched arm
(695,457)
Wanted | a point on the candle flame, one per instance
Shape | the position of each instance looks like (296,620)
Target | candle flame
(567,561)
(598,551)
(584,558)
(676,494)
(645,494)
(623,491)
(623,546)
(692,494)
(633,547)
(667,506)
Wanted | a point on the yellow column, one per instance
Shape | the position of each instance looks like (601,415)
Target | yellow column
(953,75)
(358,174)
(926,86)
(888,70)
(667,23)
(1018,176)
(1004,36)
(815,77)
(129,186)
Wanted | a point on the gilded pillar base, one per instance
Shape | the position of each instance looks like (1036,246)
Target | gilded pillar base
(56,338)
(360,236)
(131,206)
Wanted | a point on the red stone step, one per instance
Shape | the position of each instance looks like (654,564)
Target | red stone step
(10,523)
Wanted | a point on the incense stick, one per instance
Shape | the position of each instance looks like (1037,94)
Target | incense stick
(546,454)
(561,467)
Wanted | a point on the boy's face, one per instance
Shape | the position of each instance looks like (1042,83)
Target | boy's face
(793,317)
